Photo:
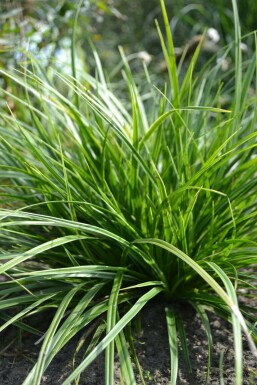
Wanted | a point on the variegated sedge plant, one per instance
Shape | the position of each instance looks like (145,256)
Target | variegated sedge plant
(107,204)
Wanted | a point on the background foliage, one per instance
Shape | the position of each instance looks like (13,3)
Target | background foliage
(110,23)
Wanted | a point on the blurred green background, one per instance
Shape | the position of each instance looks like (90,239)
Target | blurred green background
(45,28)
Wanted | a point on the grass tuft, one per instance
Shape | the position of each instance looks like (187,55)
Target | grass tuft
(107,204)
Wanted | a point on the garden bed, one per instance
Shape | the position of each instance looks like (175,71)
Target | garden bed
(153,353)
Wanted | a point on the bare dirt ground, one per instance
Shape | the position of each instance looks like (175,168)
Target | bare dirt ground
(153,353)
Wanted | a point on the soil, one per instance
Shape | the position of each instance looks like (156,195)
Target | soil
(153,353)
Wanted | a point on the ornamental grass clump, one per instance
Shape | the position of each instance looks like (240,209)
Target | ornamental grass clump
(107,204)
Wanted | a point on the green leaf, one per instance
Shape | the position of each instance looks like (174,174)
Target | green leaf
(113,333)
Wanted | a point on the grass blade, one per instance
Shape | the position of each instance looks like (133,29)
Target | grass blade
(173,344)
(111,321)
(114,332)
